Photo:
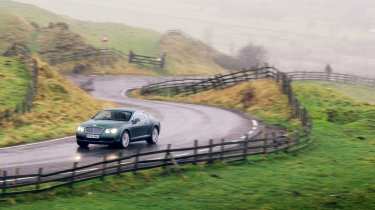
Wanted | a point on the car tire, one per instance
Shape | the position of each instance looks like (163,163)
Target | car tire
(83,144)
(154,138)
(125,140)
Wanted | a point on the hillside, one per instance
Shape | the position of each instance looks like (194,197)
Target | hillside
(14,80)
(188,56)
(121,36)
(185,56)
(52,114)
(13,29)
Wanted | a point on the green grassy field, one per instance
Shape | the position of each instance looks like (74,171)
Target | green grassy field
(14,81)
(335,172)
(357,92)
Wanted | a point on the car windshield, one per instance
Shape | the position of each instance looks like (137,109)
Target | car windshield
(113,115)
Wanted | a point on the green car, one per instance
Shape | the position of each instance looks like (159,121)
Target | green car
(118,127)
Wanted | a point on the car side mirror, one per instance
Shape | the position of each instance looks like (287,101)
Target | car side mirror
(135,121)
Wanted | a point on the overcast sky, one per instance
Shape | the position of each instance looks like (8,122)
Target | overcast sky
(299,34)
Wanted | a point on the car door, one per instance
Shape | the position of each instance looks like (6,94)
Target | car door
(145,124)
(136,129)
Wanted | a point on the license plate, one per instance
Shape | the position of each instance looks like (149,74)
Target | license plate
(90,136)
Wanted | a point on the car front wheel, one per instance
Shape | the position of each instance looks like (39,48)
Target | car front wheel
(154,138)
(125,140)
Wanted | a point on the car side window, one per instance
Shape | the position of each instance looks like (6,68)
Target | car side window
(135,116)
(142,117)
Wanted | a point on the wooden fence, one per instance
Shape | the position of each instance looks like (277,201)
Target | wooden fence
(191,86)
(263,143)
(158,62)
(333,77)
(147,60)
(17,183)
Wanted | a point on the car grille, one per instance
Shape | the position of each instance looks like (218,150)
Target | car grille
(94,130)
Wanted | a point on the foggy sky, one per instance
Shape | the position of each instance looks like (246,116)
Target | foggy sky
(299,34)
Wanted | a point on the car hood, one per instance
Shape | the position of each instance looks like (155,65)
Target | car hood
(104,123)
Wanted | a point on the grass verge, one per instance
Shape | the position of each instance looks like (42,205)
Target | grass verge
(357,92)
(262,98)
(57,109)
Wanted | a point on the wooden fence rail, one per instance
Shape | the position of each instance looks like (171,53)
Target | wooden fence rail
(17,183)
(147,60)
(11,184)
(222,81)
(94,53)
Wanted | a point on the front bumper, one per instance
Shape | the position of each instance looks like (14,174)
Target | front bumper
(103,139)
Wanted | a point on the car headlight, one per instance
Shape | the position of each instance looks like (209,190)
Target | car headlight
(80,129)
(111,130)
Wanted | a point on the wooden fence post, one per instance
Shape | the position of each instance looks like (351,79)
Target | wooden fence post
(4,181)
(222,147)
(210,152)
(216,82)
(274,141)
(135,166)
(277,76)
(265,140)
(162,60)
(195,152)
(246,147)
(131,55)
(72,180)
(40,171)
(166,158)
(104,165)
(194,89)
(120,154)
(16,173)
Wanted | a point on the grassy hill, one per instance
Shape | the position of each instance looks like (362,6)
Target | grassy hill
(187,56)
(121,36)
(335,172)
(13,29)
(52,114)
(28,23)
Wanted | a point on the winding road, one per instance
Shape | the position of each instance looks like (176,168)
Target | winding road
(181,125)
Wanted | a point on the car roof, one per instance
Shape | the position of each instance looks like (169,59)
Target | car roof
(122,109)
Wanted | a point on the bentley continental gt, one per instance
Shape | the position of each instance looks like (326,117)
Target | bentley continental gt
(119,127)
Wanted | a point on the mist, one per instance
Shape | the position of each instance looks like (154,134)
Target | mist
(298,34)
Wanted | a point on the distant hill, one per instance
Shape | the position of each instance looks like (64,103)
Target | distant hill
(188,56)
(121,36)
(13,29)
(52,35)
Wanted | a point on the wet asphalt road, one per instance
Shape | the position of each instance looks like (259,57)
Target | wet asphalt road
(181,125)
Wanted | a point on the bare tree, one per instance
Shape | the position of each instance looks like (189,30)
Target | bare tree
(251,56)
